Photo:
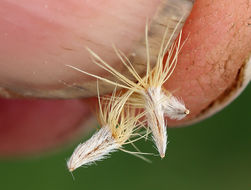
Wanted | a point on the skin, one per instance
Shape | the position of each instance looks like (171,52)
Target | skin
(39,38)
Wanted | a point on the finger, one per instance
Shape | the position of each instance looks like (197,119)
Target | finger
(40,38)
(213,65)
(196,26)
(32,126)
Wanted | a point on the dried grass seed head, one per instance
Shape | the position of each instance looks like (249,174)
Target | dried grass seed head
(117,126)
(148,86)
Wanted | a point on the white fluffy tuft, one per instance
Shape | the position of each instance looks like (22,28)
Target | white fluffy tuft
(96,148)
(175,108)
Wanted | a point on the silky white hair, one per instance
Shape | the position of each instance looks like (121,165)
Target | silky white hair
(98,147)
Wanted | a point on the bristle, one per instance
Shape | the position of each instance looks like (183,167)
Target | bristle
(101,63)
(98,77)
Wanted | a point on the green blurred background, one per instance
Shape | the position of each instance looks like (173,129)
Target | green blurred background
(214,154)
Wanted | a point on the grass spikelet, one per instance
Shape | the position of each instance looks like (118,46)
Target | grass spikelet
(118,123)
(148,91)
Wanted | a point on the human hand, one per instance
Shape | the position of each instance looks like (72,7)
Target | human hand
(39,38)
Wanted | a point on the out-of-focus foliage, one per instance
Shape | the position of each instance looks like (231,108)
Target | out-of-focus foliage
(214,154)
